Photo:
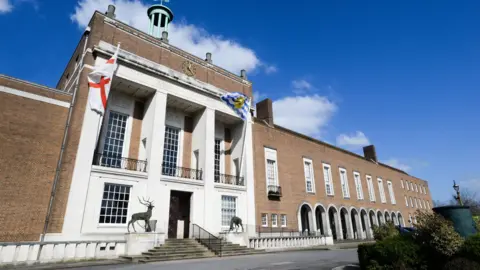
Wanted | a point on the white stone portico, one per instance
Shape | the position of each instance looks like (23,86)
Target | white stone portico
(103,196)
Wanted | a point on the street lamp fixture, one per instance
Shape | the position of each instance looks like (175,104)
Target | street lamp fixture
(457,189)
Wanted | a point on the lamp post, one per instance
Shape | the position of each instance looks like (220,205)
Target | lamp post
(457,189)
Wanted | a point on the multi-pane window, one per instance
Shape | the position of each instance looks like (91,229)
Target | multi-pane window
(390,192)
(114,209)
(411,202)
(424,204)
(217,160)
(416,188)
(284,220)
(424,190)
(114,140)
(229,209)
(327,176)
(358,185)
(371,192)
(170,151)
(344,183)
(428,205)
(307,166)
(271,172)
(271,168)
(406,201)
(411,186)
(416,202)
(274,220)
(401,182)
(381,190)
(408,186)
(265,220)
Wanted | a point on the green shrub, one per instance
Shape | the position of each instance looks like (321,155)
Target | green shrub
(471,248)
(436,235)
(384,231)
(364,252)
(461,264)
(395,252)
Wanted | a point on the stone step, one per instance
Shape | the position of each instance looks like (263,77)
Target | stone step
(178,246)
(179,254)
(159,253)
(173,249)
(159,259)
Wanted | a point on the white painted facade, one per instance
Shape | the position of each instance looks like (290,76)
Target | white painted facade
(162,86)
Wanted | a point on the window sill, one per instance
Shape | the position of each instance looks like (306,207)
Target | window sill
(119,172)
(182,180)
(227,186)
(311,192)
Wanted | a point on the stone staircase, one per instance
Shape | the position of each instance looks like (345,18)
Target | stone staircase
(174,249)
(229,249)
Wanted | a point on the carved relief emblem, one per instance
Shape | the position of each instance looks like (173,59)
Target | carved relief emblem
(189,68)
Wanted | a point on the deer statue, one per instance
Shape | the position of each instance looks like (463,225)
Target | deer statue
(145,216)
(237,222)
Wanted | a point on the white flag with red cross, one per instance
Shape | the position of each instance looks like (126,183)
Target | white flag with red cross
(99,81)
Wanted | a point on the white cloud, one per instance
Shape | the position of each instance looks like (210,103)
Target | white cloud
(301,85)
(393,162)
(269,69)
(226,53)
(5,6)
(354,141)
(305,114)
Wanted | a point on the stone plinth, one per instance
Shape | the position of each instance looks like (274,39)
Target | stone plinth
(141,242)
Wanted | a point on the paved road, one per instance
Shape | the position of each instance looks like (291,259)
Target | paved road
(295,260)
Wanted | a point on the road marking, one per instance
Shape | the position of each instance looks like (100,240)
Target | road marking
(281,263)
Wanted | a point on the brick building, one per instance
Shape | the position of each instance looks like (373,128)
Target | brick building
(167,136)
(311,186)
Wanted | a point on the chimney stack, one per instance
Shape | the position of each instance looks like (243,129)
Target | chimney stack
(265,111)
(243,74)
(110,11)
(209,57)
(369,153)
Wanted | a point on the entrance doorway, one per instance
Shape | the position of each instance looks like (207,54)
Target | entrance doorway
(179,211)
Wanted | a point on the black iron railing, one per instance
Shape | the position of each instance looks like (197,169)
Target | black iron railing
(118,162)
(275,191)
(229,179)
(182,172)
(207,239)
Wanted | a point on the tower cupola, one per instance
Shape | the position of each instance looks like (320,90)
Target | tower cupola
(160,16)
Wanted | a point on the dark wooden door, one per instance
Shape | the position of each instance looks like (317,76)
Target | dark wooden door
(179,210)
(173,216)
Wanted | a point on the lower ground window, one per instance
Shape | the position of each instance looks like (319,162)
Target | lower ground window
(284,220)
(229,209)
(114,209)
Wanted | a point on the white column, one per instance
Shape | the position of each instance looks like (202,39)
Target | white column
(207,163)
(155,140)
(74,214)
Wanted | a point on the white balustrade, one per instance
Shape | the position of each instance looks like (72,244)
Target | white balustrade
(13,253)
(271,243)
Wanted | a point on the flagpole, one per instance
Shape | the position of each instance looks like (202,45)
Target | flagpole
(245,123)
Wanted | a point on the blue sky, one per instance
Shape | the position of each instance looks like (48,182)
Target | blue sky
(402,75)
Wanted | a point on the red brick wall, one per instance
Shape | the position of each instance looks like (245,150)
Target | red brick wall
(292,148)
(31,133)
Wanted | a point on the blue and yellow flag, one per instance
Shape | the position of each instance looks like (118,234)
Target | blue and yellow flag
(238,102)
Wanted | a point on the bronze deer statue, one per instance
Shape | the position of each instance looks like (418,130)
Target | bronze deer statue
(237,222)
(145,216)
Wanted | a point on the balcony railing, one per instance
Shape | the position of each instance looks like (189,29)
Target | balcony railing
(274,191)
(182,172)
(118,162)
(229,179)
